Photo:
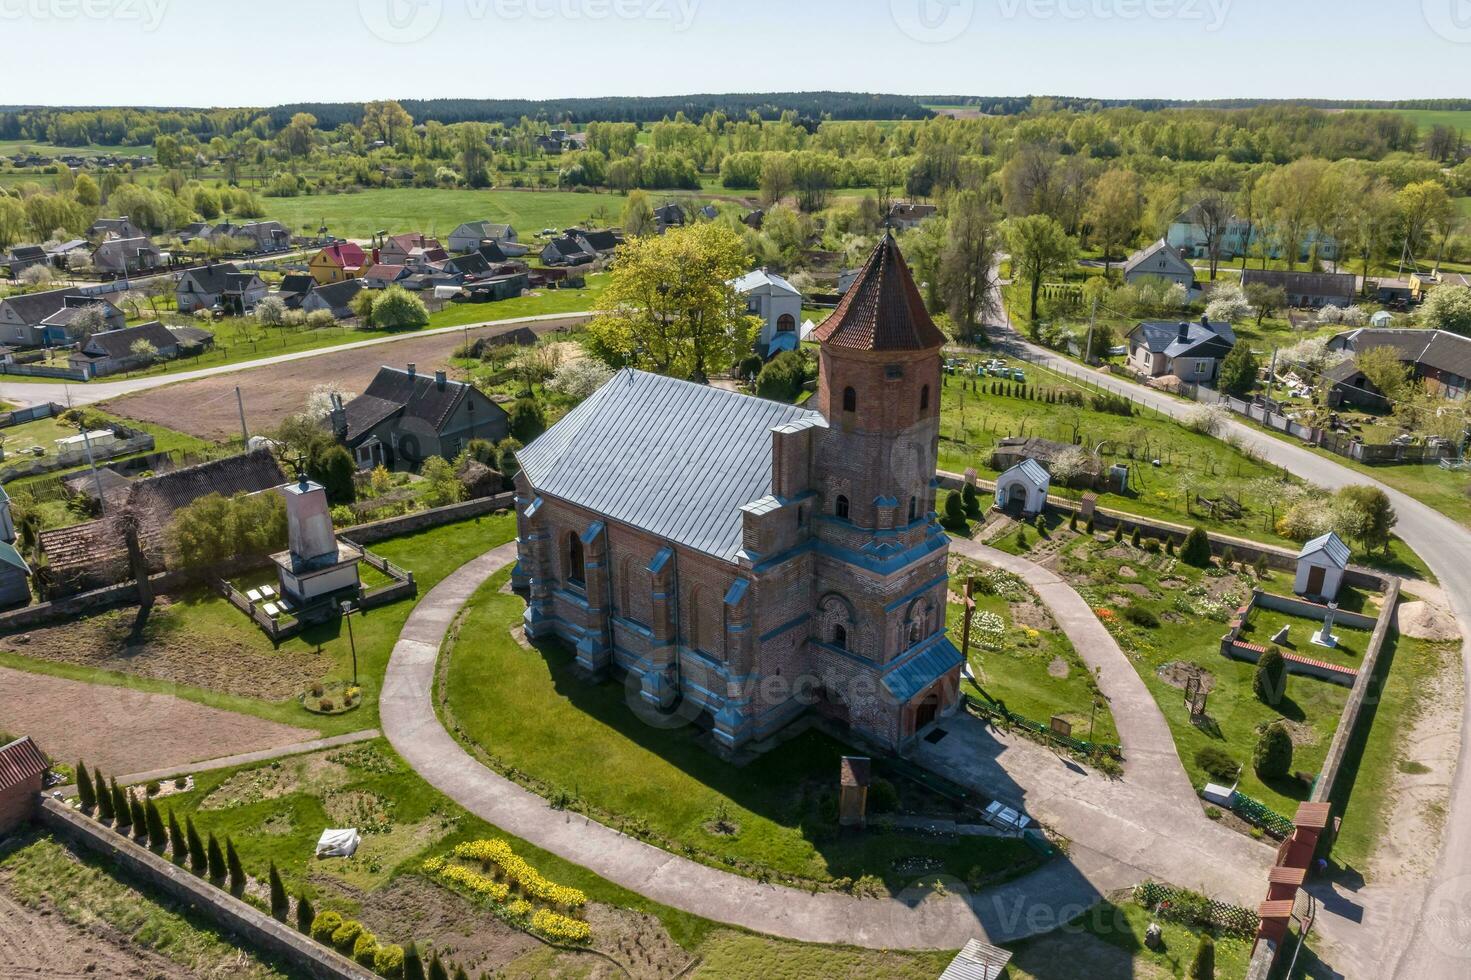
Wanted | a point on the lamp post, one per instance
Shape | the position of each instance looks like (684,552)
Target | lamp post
(347,612)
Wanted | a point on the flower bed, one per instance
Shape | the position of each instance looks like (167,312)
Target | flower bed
(331,697)
(520,876)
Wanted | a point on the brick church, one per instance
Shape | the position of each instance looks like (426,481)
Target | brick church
(754,558)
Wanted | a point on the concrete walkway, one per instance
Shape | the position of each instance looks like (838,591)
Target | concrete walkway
(1038,902)
(245,758)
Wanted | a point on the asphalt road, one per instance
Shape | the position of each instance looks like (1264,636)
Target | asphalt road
(1418,935)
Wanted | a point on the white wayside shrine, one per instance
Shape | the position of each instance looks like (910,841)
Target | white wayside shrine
(317,566)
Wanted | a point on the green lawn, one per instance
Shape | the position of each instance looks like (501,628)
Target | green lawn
(1031,667)
(580,741)
(430,555)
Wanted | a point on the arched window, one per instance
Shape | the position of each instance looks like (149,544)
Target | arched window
(840,636)
(850,400)
(924,398)
(841,507)
(913,509)
(576,569)
(914,633)
(786,323)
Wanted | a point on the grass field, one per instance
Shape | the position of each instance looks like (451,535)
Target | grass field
(438,211)
(1427,119)
(580,741)
(9,148)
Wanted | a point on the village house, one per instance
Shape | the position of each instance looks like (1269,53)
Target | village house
(498,287)
(1161,260)
(293,289)
(336,298)
(221,286)
(105,228)
(63,255)
(380,275)
(756,558)
(405,417)
(111,351)
(335,263)
(906,216)
(1306,290)
(568,250)
(668,216)
(22,777)
(126,256)
(469,265)
(24,317)
(1439,358)
(22,257)
(779,305)
(266,236)
(1189,351)
(472,234)
(413,249)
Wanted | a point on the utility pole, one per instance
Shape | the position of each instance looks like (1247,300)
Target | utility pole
(1272,376)
(240,403)
(1088,348)
(96,479)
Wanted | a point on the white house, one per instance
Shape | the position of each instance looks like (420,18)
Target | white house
(779,305)
(1025,485)
(1163,260)
(468,236)
(1320,567)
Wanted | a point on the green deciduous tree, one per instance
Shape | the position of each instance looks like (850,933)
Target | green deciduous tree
(213,529)
(1115,206)
(1039,248)
(1447,307)
(968,263)
(398,309)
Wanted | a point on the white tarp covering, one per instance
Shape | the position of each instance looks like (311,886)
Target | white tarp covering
(338,843)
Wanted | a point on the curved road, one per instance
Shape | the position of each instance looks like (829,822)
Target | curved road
(1436,922)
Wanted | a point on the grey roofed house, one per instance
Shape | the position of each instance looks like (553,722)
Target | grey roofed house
(192,338)
(109,351)
(754,219)
(492,252)
(905,215)
(126,255)
(335,297)
(471,234)
(1441,358)
(1306,289)
(406,417)
(1331,545)
(1161,259)
(671,457)
(567,251)
(1191,350)
(294,287)
(114,227)
(23,317)
(469,264)
(22,257)
(268,236)
(603,240)
(668,216)
(221,283)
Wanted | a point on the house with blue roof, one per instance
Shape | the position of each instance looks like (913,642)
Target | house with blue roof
(744,562)
(1189,351)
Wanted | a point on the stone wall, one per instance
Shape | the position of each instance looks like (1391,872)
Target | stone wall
(255,928)
(1302,607)
(391,527)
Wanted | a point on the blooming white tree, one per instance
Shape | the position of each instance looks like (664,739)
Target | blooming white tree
(319,402)
(1206,419)
(271,311)
(1448,308)
(1228,304)
(580,378)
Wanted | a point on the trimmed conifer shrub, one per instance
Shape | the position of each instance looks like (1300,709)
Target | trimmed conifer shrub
(233,867)
(140,819)
(413,963)
(1269,682)
(436,968)
(1203,965)
(179,845)
(1273,756)
(304,914)
(280,904)
(104,799)
(158,836)
(85,793)
(122,814)
(1134,539)
(198,859)
(216,858)
(1197,548)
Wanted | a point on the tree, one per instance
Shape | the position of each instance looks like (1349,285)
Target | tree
(1292,197)
(1385,372)
(968,262)
(578,379)
(413,963)
(1039,248)
(304,914)
(90,319)
(158,835)
(1239,370)
(214,530)
(1197,548)
(527,420)
(782,377)
(333,468)
(362,306)
(1422,206)
(1211,213)
(1203,965)
(671,305)
(777,178)
(280,903)
(198,856)
(85,794)
(1270,678)
(1228,304)
(386,120)
(1114,208)
(398,309)
(955,512)
(1447,307)
(217,869)
(271,311)
(105,811)
(441,485)
(236,872)
(1273,756)
(1265,300)
(436,967)
(1372,514)
(138,818)
(638,215)
(144,351)
(177,842)
(122,811)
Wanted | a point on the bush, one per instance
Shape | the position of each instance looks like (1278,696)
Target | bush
(1203,966)
(1118,532)
(158,836)
(1141,616)
(527,419)
(280,904)
(346,935)
(781,378)
(1270,680)
(198,859)
(1091,525)
(153,787)
(1197,548)
(883,797)
(954,519)
(1273,756)
(104,798)
(177,841)
(122,811)
(325,925)
(139,816)
(398,309)
(1217,762)
(1135,538)
(1169,546)
(971,499)
(333,468)
(85,792)
(304,914)
(216,859)
(365,948)
(236,872)
(388,961)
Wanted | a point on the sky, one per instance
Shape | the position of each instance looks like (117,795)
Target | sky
(267,52)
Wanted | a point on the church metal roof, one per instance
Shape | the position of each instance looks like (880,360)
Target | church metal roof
(921,670)
(1331,545)
(674,458)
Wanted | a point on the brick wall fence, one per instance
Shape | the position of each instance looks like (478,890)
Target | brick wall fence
(254,927)
(366,534)
(1234,647)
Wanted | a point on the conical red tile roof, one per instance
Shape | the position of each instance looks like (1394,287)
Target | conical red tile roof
(882,310)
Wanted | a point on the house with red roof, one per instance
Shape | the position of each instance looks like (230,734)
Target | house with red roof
(338,263)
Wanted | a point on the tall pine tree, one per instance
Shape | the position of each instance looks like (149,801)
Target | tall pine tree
(85,792)
(217,870)
(280,904)
(198,858)
(236,872)
(177,841)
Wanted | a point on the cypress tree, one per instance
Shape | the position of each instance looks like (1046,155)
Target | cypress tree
(304,914)
(1072,524)
(122,813)
(158,837)
(232,865)
(1091,525)
(1134,538)
(436,968)
(140,819)
(460,973)
(104,799)
(85,793)
(198,862)
(1203,966)
(1169,546)
(413,963)
(176,840)
(1197,548)
(216,857)
(280,904)
(1118,531)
